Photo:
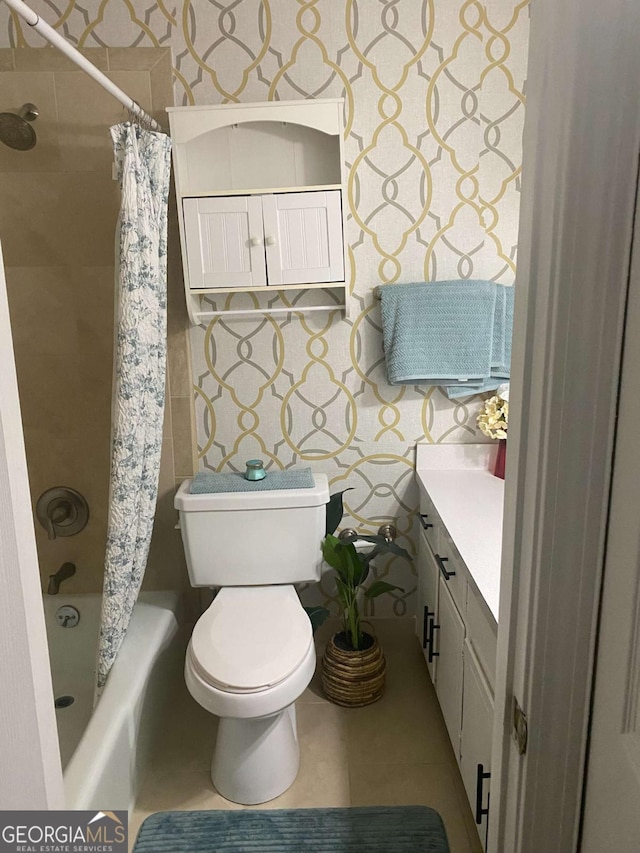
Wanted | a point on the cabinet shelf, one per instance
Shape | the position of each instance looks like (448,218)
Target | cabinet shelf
(201,315)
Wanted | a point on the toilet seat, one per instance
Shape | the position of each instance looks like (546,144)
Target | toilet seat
(250,639)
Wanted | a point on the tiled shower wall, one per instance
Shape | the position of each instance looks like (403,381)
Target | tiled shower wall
(58,209)
(433,116)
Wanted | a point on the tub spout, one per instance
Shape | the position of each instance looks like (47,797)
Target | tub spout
(66,570)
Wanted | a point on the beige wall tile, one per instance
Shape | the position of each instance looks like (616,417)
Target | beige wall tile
(137,59)
(16,89)
(51,59)
(56,219)
(167,422)
(85,113)
(55,228)
(7,62)
(182,436)
(64,374)
(178,357)
(162,90)
(180,413)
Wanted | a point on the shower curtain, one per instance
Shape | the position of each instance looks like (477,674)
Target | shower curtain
(143,165)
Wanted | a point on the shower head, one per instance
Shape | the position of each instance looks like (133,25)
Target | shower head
(15,129)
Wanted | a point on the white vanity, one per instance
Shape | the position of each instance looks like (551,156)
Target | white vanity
(458,566)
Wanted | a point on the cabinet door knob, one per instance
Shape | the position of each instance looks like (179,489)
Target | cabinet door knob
(423,521)
(255,241)
(269,241)
(441,565)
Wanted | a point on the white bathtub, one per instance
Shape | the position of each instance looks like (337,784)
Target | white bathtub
(103,752)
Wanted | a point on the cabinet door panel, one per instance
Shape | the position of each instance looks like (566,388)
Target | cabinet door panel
(477,732)
(429,521)
(224,242)
(450,673)
(427,606)
(303,237)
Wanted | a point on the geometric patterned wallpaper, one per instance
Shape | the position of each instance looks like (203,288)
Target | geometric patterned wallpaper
(434,107)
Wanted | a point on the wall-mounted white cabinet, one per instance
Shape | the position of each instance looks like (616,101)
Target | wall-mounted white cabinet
(260,199)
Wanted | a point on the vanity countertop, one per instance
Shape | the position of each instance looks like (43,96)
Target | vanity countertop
(469,501)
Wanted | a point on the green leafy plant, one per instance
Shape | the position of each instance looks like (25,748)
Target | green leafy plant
(353,567)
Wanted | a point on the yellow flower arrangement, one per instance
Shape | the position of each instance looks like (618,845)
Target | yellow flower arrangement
(493,419)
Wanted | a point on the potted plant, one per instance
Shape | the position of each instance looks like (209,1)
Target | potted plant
(353,665)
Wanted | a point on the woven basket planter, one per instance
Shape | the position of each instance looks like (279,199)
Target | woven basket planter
(353,678)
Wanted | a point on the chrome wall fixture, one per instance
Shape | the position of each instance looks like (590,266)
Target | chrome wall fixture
(62,511)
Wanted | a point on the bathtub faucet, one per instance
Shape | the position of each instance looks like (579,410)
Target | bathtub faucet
(66,570)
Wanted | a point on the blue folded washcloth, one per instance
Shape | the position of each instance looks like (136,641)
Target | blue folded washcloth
(455,334)
(292,478)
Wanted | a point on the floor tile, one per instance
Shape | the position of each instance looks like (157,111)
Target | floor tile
(406,725)
(395,752)
(414,784)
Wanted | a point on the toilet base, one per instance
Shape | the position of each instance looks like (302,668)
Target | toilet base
(257,759)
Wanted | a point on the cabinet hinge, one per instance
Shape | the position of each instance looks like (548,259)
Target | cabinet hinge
(520,727)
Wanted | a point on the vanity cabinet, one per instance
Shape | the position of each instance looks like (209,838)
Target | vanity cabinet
(456,625)
(260,198)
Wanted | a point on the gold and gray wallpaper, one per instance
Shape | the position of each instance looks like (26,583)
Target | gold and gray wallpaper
(434,106)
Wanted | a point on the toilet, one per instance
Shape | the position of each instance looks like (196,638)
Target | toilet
(251,654)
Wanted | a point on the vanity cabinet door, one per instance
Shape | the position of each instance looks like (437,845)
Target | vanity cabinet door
(303,237)
(475,745)
(225,246)
(428,606)
(449,683)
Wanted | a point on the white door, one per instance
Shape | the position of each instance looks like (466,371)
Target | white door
(475,742)
(224,237)
(303,237)
(449,683)
(611,819)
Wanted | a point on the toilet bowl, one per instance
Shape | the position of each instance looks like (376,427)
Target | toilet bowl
(251,654)
(250,657)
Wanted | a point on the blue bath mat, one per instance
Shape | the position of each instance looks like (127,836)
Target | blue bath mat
(390,829)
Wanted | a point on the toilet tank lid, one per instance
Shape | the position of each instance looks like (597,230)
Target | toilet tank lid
(273,499)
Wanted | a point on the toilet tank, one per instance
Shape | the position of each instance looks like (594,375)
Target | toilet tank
(253,538)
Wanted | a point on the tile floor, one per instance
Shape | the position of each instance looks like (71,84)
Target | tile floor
(395,752)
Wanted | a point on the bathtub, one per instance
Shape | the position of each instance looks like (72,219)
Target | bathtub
(104,751)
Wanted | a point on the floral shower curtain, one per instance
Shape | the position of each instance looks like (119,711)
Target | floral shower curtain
(143,165)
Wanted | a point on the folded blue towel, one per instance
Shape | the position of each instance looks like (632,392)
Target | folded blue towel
(502,332)
(292,478)
(456,334)
(438,332)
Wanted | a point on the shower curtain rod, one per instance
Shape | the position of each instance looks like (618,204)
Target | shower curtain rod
(54,38)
